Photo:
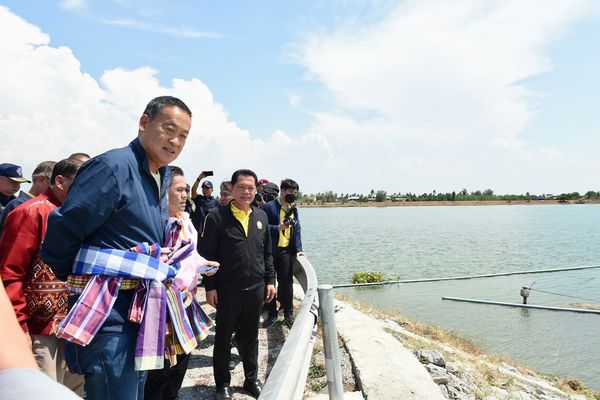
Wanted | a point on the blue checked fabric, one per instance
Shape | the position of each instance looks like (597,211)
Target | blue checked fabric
(91,260)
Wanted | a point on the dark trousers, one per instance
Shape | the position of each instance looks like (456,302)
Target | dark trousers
(239,313)
(284,269)
(164,384)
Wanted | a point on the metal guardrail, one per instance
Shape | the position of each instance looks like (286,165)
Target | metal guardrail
(335,385)
(288,376)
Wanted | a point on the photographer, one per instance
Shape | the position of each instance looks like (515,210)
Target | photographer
(270,191)
(202,202)
(284,227)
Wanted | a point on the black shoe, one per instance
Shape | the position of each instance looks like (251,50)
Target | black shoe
(231,365)
(267,323)
(253,387)
(288,320)
(223,393)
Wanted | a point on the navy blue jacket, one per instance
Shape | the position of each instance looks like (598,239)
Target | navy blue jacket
(14,203)
(113,203)
(273,208)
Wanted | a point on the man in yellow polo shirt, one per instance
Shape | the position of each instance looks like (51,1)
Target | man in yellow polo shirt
(237,236)
(284,227)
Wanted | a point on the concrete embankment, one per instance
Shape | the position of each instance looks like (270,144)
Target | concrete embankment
(383,358)
(391,362)
(384,368)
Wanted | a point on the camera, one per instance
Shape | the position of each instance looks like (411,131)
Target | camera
(259,198)
(287,218)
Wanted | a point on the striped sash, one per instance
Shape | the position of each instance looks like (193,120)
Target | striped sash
(164,273)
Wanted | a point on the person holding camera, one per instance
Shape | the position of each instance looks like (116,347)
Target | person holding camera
(284,227)
(270,192)
(203,202)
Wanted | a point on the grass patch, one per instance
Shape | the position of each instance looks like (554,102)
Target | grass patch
(573,385)
(432,332)
(368,277)
(493,377)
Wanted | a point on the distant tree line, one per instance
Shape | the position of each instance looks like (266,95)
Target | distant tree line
(461,195)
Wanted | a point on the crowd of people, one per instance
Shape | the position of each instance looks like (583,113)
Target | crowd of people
(102,260)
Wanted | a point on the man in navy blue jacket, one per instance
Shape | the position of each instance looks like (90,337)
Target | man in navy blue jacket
(117,201)
(284,227)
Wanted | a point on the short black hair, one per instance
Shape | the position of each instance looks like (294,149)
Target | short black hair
(43,168)
(225,184)
(243,172)
(289,184)
(67,167)
(157,104)
(78,156)
(175,171)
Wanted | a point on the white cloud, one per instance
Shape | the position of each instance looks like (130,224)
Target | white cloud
(294,100)
(442,85)
(50,108)
(74,4)
(430,97)
(182,32)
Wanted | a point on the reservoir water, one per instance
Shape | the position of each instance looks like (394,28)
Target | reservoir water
(427,242)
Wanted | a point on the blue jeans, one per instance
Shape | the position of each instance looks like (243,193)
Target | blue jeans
(108,366)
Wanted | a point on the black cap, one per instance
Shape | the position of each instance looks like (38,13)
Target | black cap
(207,184)
(271,188)
(13,172)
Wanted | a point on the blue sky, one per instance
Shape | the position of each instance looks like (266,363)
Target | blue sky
(346,95)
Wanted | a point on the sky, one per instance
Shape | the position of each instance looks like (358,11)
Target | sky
(341,95)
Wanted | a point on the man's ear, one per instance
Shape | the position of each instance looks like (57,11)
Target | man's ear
(144,119)
(59,181)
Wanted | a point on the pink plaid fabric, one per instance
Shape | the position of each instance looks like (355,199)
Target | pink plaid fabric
(96,302)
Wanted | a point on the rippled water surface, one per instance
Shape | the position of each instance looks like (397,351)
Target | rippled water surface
(425,242)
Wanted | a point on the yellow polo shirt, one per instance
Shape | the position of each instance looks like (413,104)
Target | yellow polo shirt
(286,234)
(241,216)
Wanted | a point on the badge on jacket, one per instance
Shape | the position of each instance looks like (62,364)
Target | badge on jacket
(259,224)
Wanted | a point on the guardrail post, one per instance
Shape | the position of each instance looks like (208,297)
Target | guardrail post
(330,343)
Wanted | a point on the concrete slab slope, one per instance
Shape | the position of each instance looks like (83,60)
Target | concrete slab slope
(385,369)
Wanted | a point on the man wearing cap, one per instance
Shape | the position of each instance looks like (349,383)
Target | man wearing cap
(270,191)
(261,185)
(284,227)
(11,177)
(204,202)
(41,181)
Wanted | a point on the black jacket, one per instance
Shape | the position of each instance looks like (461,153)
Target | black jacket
(246,262)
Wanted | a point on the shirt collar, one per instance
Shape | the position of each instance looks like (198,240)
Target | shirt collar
(52,198)
(236,210)
(140,154)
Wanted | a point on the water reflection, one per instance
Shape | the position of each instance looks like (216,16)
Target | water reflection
(426,242)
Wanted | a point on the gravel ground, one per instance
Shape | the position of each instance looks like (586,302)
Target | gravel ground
(199,383)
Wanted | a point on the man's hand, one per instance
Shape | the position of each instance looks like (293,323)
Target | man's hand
(301,254)
(211,298)
(201,176)
(214,270)
(283,227)
(271,293)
